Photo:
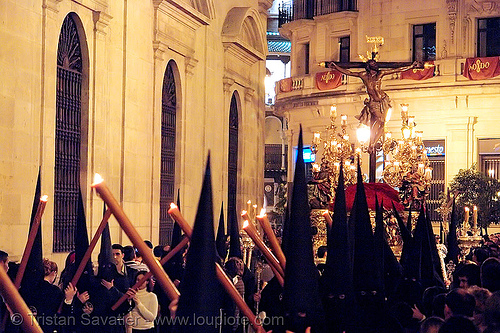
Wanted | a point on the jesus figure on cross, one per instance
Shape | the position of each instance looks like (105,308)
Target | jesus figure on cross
(374,112)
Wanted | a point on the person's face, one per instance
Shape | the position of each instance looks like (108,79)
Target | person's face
(5,264)
(117,256)
(144,285)
(464,282)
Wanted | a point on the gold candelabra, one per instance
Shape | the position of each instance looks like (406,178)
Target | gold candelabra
(407,165)
(337,149)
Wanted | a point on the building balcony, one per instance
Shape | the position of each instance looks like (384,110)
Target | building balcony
(302,90)
(307,9)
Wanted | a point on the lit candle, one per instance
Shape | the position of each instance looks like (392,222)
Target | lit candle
(249,206)
(491,173)
(136,239)
(31,239)
(333,111)
(343,120)
(271,259)
(404,111)
(221,275)
(16,303)
(474,218)
(328,218)
(421,168)
(273,241)
(466,221)
(244,215)
(428,174)
(317,138)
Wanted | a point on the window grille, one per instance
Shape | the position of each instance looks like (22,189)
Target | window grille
(68,136)
(167,168)
(232,168)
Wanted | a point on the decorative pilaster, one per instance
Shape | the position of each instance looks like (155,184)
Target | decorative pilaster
(452,17)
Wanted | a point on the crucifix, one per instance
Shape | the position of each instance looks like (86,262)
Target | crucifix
(378,103)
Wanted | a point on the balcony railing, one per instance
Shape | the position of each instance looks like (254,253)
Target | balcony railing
(307,9)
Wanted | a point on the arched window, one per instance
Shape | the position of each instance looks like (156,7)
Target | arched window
(68,136)
(232,168)
(167,169)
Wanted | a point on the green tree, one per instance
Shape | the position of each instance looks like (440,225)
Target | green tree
(473,188)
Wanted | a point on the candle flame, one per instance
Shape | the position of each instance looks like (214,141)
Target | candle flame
(254,206)
(249,202)
(44,198)
(243,212)
(245,224)
(475,208)
(262,212)
(173,206)
(97,179)
(466,209)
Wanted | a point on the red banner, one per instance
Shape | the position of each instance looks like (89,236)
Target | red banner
(328,80)
(419,73)
(286,85)
(481,68)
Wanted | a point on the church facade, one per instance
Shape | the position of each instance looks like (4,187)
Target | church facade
(137,91)
(458,114)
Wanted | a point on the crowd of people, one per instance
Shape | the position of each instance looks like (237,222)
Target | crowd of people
(361,288)
(470,304)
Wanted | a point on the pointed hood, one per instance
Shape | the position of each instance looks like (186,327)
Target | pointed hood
(34,272)
(105,257)
(81,245)
(200,290)
(365,273)
(428,275)
(234,235)
(453,249)
(220,241)
(339,267)
(301,297)
(390,268)
(336,281)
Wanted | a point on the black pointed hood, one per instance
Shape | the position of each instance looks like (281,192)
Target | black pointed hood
(452,244)
(234,235)
(365,271)
(105,258)
(391,270)
(220,241)
(301,297)
(339,266)
(81,245)
(200,290)
(34,272)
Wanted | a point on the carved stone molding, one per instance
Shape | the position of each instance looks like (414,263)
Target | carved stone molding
(52,5)
(484,7)
(228,83)
(101,21)
(452,17)
(190,65)
(159,48)
(249,94)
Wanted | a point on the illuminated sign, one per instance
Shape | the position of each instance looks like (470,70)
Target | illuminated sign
(437,150)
